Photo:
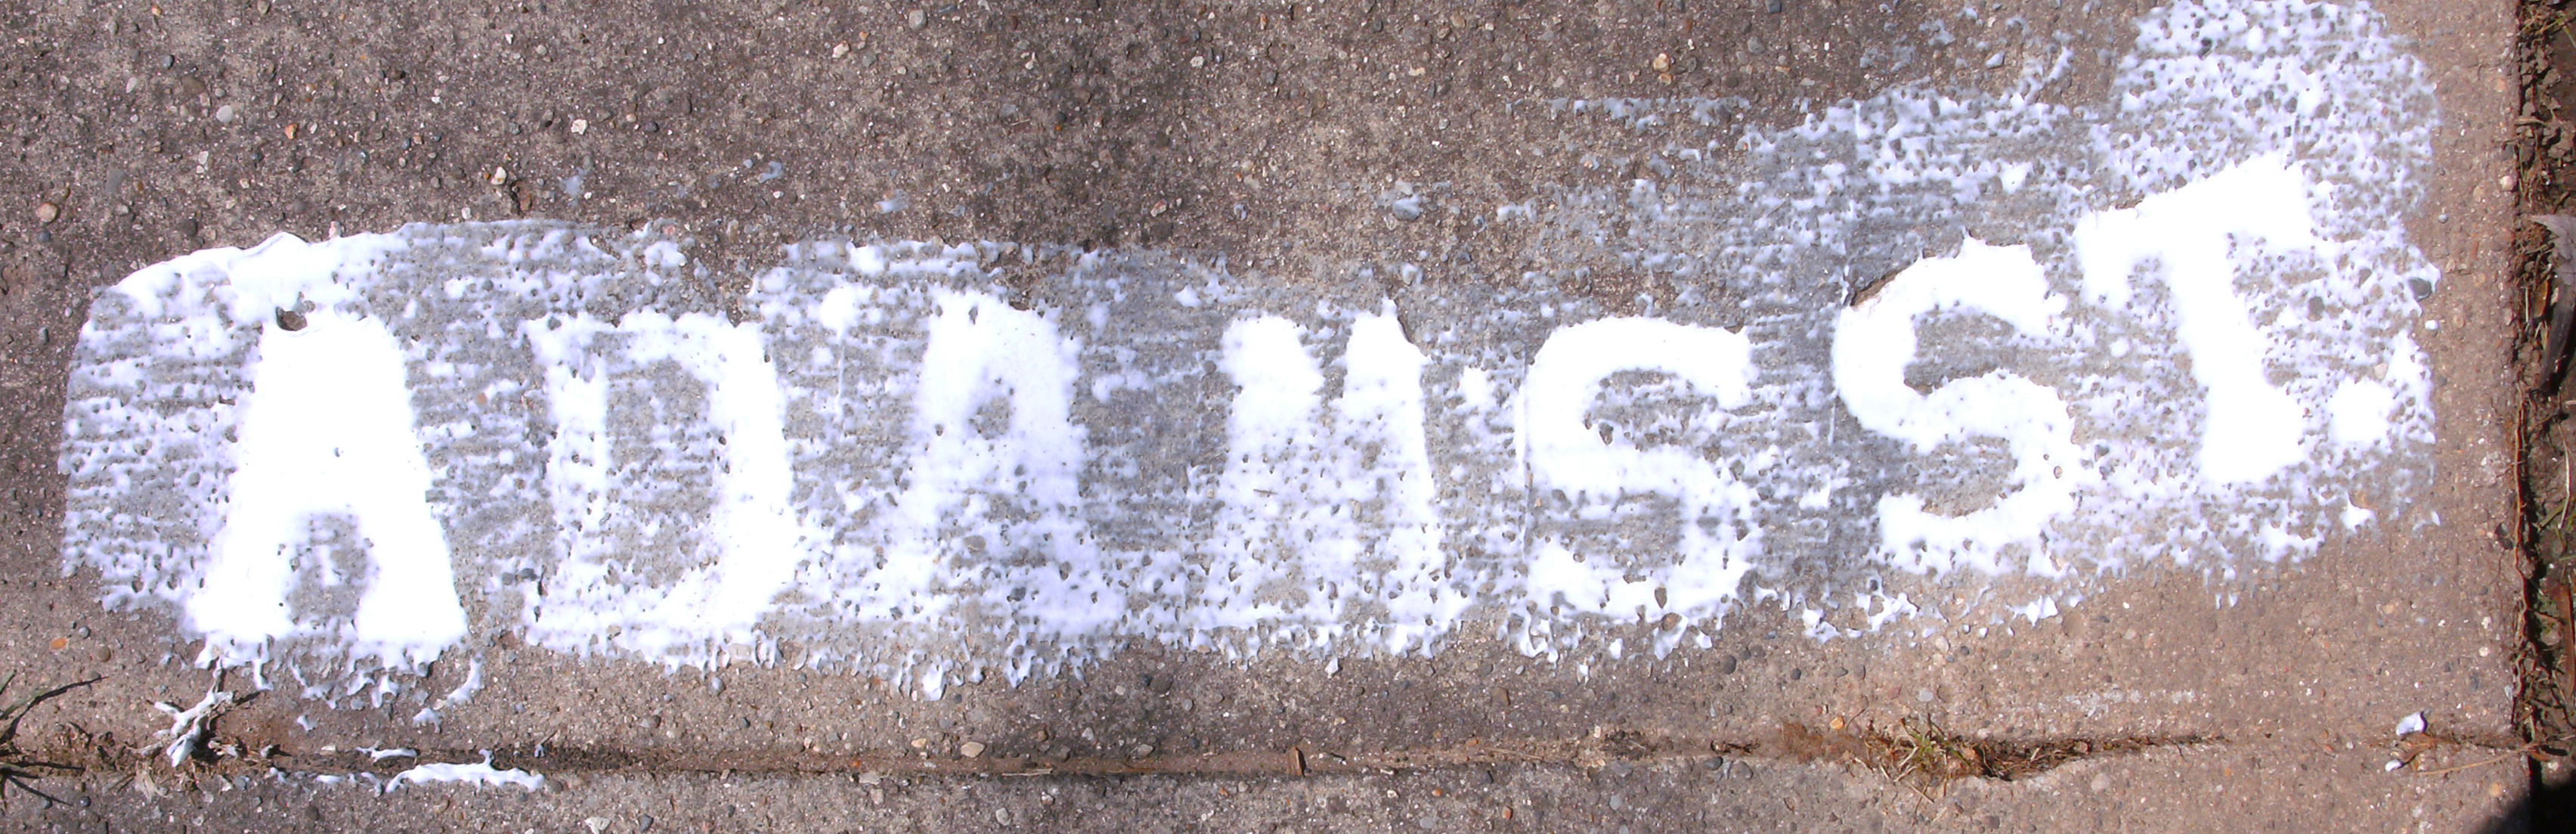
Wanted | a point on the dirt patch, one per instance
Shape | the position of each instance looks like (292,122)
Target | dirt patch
(19,766)
(2545,147)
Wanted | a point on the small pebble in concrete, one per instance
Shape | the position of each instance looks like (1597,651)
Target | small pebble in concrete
(226,114)
(971,749)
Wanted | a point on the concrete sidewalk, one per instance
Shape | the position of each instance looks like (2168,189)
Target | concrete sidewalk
(1256,416)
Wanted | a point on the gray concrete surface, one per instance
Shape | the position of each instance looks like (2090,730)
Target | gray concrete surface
(1265,143)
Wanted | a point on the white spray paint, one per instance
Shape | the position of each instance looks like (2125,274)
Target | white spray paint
(1564,453)
(754,538)
(327,430)
(479,774)
(1874,341)
(2253,427)
(889,466)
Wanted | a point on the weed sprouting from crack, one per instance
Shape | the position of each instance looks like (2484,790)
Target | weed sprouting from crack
(18,767)
(1922,755)
(1921,749)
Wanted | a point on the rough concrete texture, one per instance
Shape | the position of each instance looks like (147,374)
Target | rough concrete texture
(2260,786)
(1273,137)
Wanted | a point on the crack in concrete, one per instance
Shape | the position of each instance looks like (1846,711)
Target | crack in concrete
(1918,751)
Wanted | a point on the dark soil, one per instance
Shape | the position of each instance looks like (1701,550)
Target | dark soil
(2546,154)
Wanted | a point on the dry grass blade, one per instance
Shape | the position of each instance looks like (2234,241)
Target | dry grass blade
(1921,748)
